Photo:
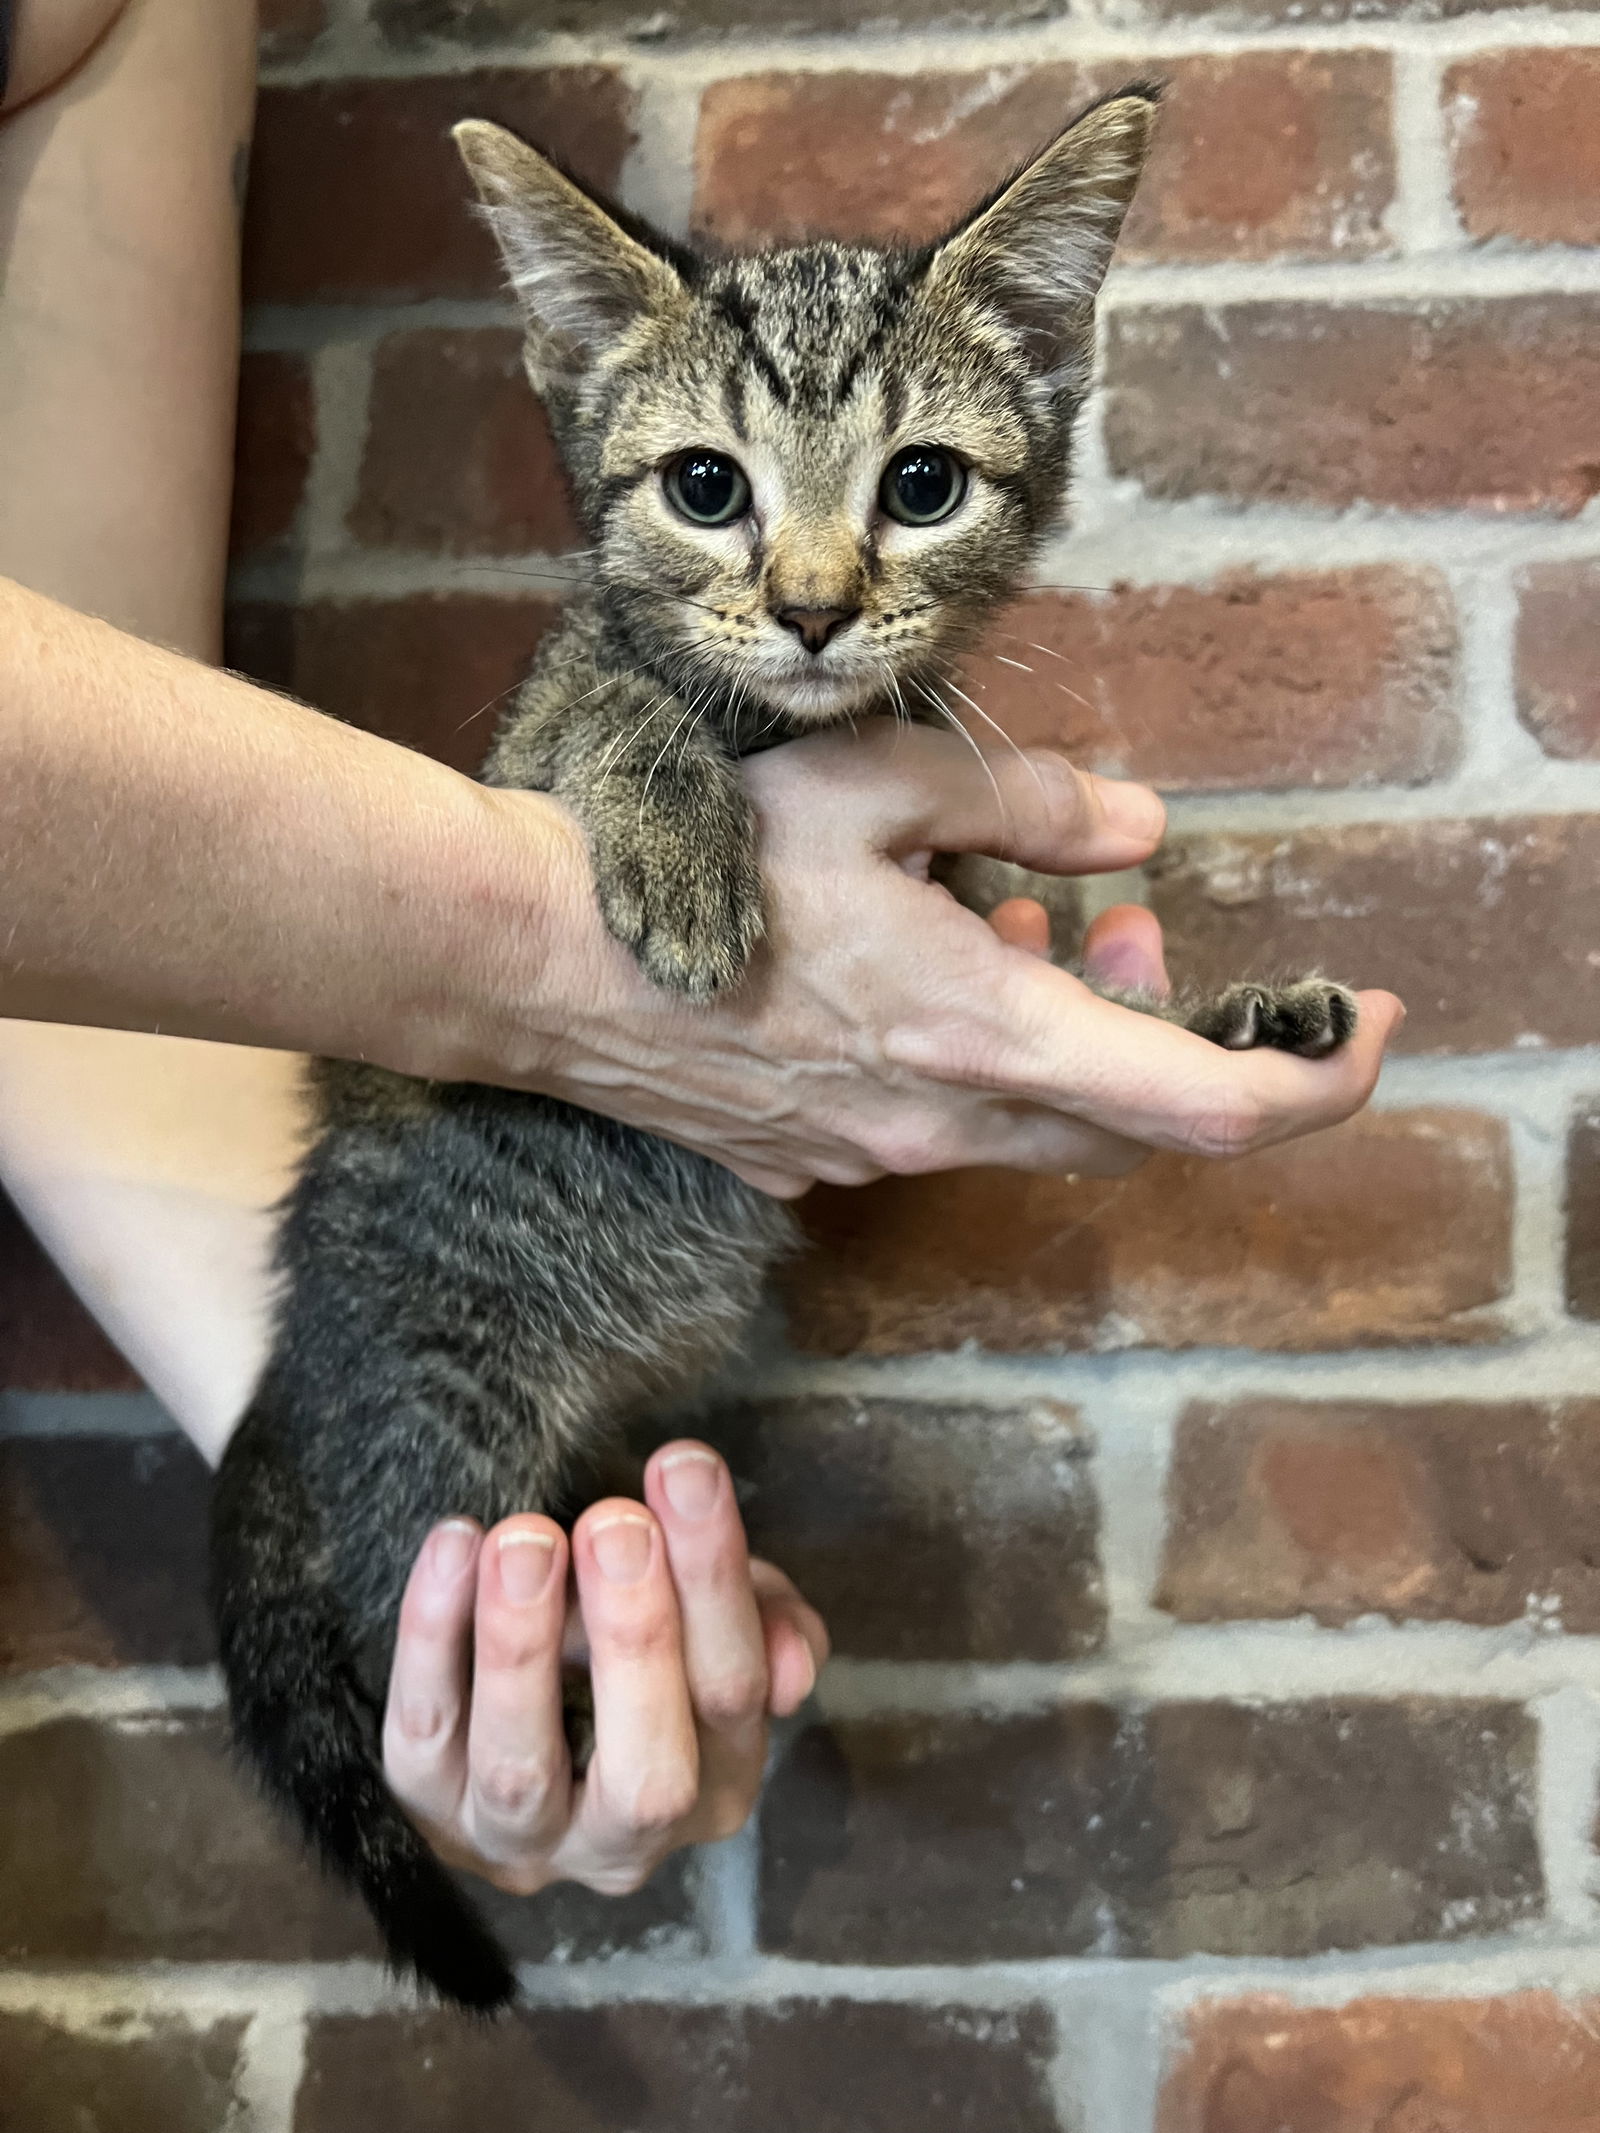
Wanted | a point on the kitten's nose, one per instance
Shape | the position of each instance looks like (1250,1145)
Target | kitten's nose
(816,626)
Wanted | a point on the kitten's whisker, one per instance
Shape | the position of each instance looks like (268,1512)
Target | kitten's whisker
(510,570)
(1021,665)
(687,712)
(618,749)
(1049,651)
(995,726)
(604,683)
(489,706)
(988,769)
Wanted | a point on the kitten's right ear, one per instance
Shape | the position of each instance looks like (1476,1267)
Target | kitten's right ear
(580,278)
(1036,253)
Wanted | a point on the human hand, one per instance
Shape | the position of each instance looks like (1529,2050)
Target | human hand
(691,1647)
(887,1029)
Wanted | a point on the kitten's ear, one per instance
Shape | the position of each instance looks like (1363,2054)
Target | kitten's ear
(1038,251)
(579,276)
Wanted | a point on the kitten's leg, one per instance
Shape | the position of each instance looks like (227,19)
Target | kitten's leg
(671,833)
(1311,1018)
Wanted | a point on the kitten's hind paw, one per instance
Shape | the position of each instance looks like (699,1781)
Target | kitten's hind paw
(1311,1018)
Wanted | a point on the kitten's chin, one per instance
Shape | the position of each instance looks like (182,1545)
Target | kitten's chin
(817,698)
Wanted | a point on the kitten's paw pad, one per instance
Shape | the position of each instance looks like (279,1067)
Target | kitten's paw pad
(1310,1019)
(690,932)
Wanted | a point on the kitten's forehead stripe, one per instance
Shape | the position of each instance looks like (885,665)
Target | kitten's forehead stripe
(812,320)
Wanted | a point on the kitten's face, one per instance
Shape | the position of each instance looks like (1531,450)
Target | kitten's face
(808,474)
(815,477)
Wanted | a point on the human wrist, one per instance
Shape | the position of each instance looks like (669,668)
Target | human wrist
(508,872)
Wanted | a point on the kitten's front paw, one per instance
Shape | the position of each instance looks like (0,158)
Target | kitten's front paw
(1310,1019)
(692,919)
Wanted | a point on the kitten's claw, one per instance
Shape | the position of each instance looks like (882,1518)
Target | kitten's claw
(1309,1019)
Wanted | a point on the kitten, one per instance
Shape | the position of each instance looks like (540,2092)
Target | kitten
(808,475)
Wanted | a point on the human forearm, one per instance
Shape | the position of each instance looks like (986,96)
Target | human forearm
(188,853)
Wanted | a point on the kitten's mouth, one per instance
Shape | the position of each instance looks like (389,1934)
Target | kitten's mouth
(816,695)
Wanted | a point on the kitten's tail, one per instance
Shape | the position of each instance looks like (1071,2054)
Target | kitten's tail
(309,1727)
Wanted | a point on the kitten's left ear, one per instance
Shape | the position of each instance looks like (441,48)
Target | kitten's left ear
(1038,251)
(579,276)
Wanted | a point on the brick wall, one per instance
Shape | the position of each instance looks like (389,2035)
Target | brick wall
(1212,1556)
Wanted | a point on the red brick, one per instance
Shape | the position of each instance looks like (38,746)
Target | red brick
(1400,404)
(795,2066)
(1482,927)
(1583,1215)
(409,22)
(1261,2065)
(356,190)
(1331,678)
(1313,1245)
(1300,14)
(431,673)
(1174,1830)
(459,458)
(1452,1511)
(926,1532)
(1558,657)
(102,1552)
(126,2073)
(147,1842)
(48,1341)
(272,450)
(1527,161)
(291,27)
(1260,154)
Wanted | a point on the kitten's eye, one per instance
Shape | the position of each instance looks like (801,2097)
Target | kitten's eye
(922,485)
(708,488)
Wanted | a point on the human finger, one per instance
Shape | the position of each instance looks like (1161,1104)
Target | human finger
(1123,949)
(519,1777)
(644,1776)
(797,1638)
(724,1646)
(777,1184)
(425,1717)
(1154,1082)
(923,790)
(1022,922)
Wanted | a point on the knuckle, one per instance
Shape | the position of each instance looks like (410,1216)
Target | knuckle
(649,1639)
(417,1722)
(510,1787)
(1224,1121)
(662,1801)
(622,1880)
(733,1699)
(913,1143)
(1060,785)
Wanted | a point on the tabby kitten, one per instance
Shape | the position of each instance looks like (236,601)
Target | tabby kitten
(808,476)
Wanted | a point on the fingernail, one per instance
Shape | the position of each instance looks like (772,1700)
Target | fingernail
(693,1481)
(622,1548)
(450,1550)
(525,1563)
(1133,809)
